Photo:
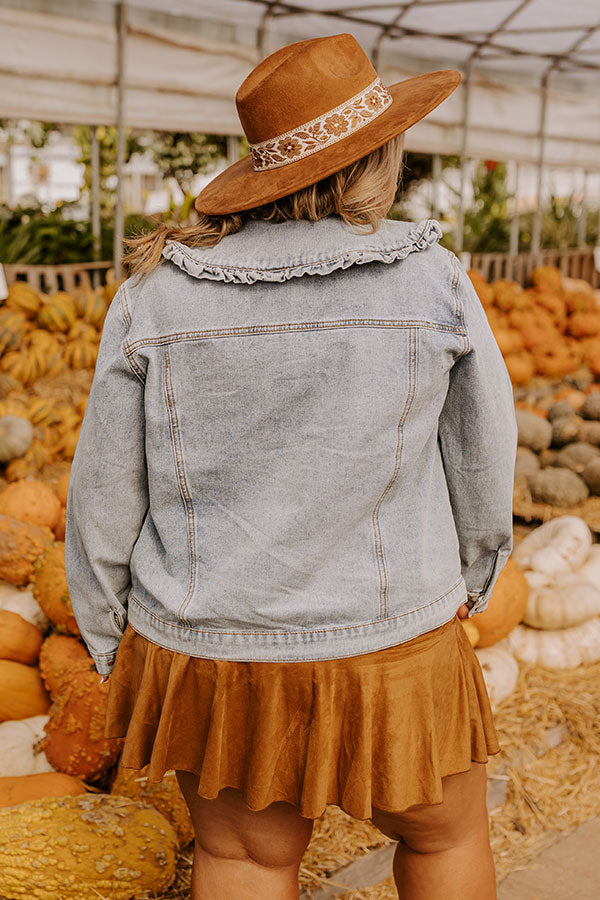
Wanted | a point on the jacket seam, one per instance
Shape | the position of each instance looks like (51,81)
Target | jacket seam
(459,306)
(312,631)
(182,480)
(124,306)
(301,265)
(379,551)
(245,330)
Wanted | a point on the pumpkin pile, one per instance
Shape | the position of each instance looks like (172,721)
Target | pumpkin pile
(559,446)
(45,339)
(550,329)
(53,752)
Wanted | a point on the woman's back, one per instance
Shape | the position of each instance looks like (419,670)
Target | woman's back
(290,390)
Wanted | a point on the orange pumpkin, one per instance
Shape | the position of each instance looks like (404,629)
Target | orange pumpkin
(22,693)
(31,501)
(483,289)
(50,588)
(520,367)
(74,739)
(58,654)
(506,606)
(15,789)
(62,487)
(19,639)
(20,545)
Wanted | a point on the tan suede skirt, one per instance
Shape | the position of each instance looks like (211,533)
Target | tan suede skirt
(380,729)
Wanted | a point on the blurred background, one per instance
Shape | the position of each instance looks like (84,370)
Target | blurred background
(115,114)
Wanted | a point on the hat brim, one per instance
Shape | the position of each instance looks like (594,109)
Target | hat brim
(240,187)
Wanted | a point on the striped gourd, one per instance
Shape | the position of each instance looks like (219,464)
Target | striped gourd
(43,339)
(37,454)
(91,307)
(81,330)
(38,359)
(80,354)
(56,366)
(23,297)
(58,313)
(17,364)
(12,330)
(8,384)
(41,412)
(69,443)
(11,406)
(17,469)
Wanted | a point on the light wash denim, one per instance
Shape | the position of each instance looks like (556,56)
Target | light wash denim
(298,445)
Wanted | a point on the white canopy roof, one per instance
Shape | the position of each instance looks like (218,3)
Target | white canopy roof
(58,62)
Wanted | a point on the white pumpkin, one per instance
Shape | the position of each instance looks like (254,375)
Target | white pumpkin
(561,649)
(18,747)
(500,671)
(590,570)
(24,604)
(568,601)
(16,435)
(560,545)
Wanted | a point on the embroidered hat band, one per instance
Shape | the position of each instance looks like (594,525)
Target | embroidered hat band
(323,131)
(308,110)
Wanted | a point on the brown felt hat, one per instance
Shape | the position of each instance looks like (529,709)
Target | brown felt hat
(308,110)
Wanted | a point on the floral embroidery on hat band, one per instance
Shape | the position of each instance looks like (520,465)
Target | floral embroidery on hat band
(327,129)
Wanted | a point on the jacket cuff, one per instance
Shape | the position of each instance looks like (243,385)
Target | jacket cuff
(104,662)
(482,596)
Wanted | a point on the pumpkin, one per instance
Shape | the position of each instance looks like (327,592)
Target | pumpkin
(20,545)
(15,789)
(16,435)
(557,487)
(164,795)
(50,588)
(24,298)
(14,406)
(520,366)
(506,606)
(58,654)
(533,431)
(62,488)
(560,649)
(31,501)
(24,604)
(61,526)
(85,847)
(584,324)
(20,753)
(500,672)
(68,443)
(12,330)
(74,739)
(22,693)
(509,340)
(567,600)
(591,475)
(560,545)
(19,469)
(58,313)
(91,307)
(80,354)
(19,639)
(83,331)
(576,456)
(40,411)
(18,364)
(547,278)
(471,630)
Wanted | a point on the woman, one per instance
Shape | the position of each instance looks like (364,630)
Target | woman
(294,478)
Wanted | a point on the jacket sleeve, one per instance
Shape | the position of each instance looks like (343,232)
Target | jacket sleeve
(478,439)
(108,494)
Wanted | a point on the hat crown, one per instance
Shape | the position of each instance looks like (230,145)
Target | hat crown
(301,82)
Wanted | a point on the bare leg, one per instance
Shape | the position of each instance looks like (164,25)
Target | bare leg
(242,853)
(444,850)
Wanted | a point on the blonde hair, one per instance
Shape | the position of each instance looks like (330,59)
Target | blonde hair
(354,193)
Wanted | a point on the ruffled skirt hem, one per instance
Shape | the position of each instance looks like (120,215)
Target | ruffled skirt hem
(377,730)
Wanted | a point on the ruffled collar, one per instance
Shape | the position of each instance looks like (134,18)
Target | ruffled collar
(262,251)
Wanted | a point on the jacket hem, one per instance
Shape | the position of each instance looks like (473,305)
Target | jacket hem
(296,646)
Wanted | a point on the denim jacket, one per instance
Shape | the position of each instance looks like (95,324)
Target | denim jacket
(299,444)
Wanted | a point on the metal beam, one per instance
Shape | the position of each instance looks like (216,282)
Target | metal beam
(121,41)
(536,234)
(95,200)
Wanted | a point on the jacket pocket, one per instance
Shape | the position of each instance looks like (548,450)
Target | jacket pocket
(119,617)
